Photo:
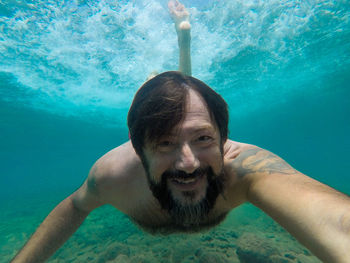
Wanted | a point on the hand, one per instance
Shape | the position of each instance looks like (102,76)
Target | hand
(240,158)
(179,14)
(231,149)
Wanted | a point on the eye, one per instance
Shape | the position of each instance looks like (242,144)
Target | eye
(204,138)
(165,145)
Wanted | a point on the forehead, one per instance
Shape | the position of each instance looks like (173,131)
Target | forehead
(196,115)
(196,107)
(195,102)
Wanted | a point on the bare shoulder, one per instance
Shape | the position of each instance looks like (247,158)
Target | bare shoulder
(232,148)
(250,159)
(116,165)
(110,177)
(116,170)
(245,164)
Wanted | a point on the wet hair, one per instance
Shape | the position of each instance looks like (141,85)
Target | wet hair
(160,104)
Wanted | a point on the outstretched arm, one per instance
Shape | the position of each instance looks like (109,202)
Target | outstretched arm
(317,215)
(58,226)
(180,16)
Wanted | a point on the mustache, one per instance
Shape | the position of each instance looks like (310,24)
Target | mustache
(183,175)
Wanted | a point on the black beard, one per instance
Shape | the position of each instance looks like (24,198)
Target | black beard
(188,216)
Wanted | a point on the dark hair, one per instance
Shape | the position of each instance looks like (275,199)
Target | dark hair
(160,104)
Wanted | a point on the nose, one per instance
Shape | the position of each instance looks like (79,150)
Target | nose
(186,160)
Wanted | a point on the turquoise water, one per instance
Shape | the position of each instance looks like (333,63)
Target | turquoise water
(68,73)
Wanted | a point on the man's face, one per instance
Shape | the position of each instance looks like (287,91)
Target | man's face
(184,168)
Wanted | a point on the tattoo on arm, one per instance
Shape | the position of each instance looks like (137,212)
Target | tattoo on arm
(257,160)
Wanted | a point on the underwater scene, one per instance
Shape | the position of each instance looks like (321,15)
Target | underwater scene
(68,74)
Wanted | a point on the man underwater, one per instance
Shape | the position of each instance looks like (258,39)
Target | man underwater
(181,173)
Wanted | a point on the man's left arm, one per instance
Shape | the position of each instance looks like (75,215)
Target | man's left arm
(316,214)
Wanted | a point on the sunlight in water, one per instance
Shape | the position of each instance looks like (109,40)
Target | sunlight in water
(87,57)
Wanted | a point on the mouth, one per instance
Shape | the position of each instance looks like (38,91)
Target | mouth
(186,184)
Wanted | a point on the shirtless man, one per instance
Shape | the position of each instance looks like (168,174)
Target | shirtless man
(180,173)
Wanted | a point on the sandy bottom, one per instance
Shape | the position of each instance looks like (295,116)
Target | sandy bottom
(246,236)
